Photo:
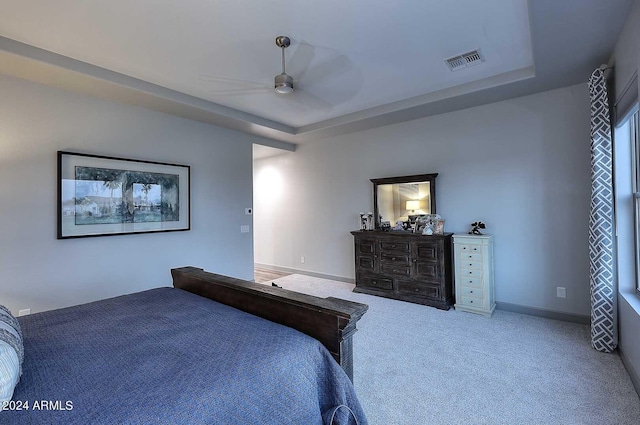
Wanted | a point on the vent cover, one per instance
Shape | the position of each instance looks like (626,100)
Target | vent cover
(464,60)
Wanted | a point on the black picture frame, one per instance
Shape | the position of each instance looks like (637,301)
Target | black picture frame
(431,178)
(108,196)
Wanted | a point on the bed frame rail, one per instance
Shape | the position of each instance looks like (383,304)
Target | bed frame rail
(331,321)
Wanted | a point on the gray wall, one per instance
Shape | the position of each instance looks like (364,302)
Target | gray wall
(521,166)
(38,271)
(626,59)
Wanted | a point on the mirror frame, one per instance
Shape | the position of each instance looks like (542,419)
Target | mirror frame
(431,178)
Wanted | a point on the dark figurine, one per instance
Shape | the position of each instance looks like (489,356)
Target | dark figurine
(475,228)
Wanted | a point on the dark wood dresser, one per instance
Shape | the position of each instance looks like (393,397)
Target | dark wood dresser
(405,266)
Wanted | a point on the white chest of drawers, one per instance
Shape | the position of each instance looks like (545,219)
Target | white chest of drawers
(473,262)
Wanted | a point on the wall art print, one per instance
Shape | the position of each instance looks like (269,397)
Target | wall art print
(101,196)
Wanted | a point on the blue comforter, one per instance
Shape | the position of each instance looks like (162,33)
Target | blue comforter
(166,356)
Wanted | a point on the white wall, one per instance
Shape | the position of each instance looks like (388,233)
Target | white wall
(626,54)
(38,271)
(521,166)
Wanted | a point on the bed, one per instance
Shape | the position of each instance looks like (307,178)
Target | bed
(194,353)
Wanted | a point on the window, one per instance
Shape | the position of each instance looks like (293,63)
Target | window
(635,149)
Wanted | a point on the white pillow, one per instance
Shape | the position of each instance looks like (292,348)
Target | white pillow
(11,354)
(9,371)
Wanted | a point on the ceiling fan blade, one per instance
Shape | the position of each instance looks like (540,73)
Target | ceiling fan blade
(299,62)
(309,100)
(328,68)
(335,95)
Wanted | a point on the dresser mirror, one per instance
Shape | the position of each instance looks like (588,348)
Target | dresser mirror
(403,198)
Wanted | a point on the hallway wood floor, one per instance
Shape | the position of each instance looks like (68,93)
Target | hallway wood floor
(262,275)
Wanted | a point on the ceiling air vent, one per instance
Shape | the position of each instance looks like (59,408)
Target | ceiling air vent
(464,60)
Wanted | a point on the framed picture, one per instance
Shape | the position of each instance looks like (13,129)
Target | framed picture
(438,229)
(103,196)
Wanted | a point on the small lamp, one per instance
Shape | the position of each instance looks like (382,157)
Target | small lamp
(413,205)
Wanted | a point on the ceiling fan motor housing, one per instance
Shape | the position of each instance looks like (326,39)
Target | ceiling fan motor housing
(283,83)
(283,41)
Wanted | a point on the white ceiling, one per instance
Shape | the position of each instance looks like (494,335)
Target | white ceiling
(367,62)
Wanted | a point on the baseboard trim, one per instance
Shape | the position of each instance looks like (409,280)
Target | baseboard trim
(307,273)
(635,379)
(541,312)
(514,308)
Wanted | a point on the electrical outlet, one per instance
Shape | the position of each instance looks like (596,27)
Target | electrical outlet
(561,292)
(24,312)
(244,228)
(302,259)
(248,211)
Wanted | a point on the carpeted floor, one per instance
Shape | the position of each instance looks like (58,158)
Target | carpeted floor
(419,365)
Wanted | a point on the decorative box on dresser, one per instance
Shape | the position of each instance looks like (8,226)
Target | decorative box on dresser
(473,259)
(405,266)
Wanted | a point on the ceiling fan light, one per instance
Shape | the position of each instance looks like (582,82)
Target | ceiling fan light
(283,84)
(284,89)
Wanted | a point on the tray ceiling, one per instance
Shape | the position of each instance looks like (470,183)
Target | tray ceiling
(355,64)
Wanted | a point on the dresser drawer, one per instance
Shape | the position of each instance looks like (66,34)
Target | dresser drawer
(470,265)
(366,263)
(471,292)
(476,256)
(394,246)
(365,246)
(469,248)
(470,282)
(418,289)
(427,251)
(472,302)
(427,270)
(465,274)
(388,257)
(376,282)
(395,268)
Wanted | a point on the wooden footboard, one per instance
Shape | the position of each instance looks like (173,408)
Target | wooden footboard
(331,321)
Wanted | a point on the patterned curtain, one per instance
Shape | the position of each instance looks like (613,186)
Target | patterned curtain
(601,243)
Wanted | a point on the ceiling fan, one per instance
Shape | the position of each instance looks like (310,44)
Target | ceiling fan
(286,84)
(283,82)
